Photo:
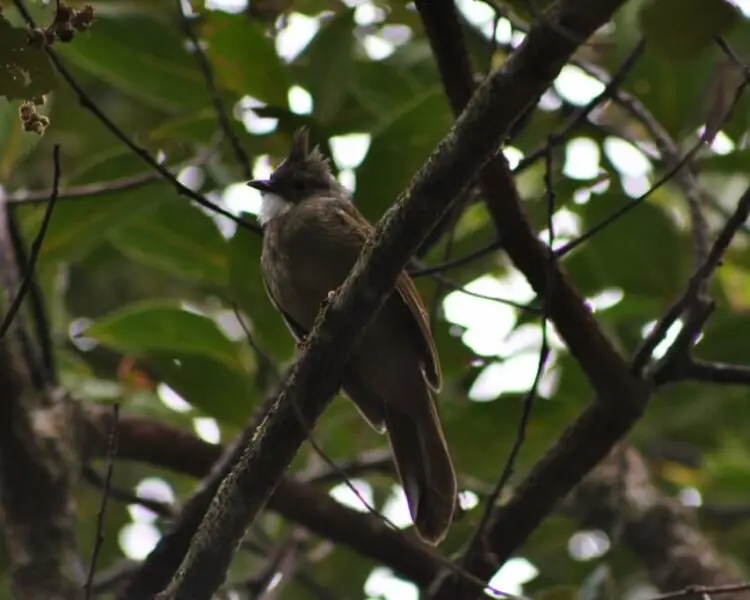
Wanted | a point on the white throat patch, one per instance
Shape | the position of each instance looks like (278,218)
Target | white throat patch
(272,206)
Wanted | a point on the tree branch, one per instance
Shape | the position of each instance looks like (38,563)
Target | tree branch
(621,396)
(38,460)
(165,446)
(619,495)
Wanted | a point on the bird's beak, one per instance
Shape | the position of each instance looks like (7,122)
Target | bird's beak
(262,185)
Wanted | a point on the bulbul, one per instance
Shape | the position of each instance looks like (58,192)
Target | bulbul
(312,236)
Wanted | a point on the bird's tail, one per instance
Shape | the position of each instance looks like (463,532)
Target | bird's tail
(425,468)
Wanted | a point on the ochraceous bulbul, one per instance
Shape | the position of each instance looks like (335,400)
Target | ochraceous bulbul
(312,236)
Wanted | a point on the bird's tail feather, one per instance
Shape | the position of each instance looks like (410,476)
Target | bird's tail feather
(425,468)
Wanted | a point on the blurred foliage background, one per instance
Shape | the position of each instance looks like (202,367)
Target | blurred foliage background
(141,283)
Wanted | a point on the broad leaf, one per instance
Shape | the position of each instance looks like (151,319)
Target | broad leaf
(178,237)
(327,64)
(164,326)
(142,57)
(399,146)
(244,58)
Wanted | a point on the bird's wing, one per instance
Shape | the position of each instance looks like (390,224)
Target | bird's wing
(299,332)
(417,320)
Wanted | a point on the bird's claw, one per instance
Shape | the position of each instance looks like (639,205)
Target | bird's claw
(328,299)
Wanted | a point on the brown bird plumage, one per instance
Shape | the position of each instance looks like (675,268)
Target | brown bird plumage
(313,235)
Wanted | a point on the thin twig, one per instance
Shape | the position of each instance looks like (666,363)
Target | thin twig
(159,508)
(36,247)
(575,121)
(716,372)
(713,260)
(706,591)
(439,285)
(88,190)
(111,452)
(420,271)
(530,397)
(630,206)
(208,74)
(269,367)
(457,287)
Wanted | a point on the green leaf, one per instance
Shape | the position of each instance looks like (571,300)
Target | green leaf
(247,290)
(164,326)
(80,224)
(558,592)
(326,62)
(480,434)
(383,88)
(680,29)
(724,163)
(727,339)
(25,69)
(244,58)
(178,237)
(641,253)
(398,148)
(671,91)
(216,388)
(143,58)
(199,126)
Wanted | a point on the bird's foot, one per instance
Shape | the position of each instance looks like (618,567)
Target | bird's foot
(328,299)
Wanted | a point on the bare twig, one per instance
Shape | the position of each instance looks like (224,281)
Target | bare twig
(710,372)
(439,285)
(374,461)
(36,247)
(452,285)
(630,206)
(705,591)
(88,190)
(269,373)
(111,453)
(704,273)
(243,160)
(530,397)
(159,508)
(446,265)
(610,90)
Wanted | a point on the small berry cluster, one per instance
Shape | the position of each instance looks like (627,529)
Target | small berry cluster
(66,22)
(31,120)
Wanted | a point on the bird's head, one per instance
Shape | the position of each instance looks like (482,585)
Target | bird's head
(303,174)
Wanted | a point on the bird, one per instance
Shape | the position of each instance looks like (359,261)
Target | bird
(312,237)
